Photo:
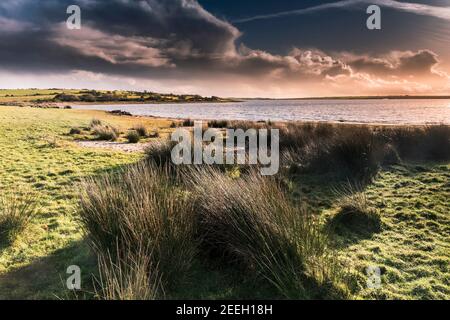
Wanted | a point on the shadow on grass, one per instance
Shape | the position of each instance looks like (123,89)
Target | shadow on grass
(211,280)
(45,278)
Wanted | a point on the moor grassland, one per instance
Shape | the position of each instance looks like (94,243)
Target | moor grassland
(38,156)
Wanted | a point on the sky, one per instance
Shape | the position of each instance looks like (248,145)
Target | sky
(229,48)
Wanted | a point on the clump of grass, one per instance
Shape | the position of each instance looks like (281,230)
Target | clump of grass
(141,211)
(160,152)
(355,213)
(133,136)
(105,132)
(421,143)
(218,124)
(141,130)
(74,131)
(95,122)
(244,125)
(351,152)
(251,222)
(131,277)
(16,212)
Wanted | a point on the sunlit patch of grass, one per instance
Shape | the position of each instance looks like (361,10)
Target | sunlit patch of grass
(38,155)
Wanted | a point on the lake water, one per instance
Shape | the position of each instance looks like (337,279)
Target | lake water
(401,111)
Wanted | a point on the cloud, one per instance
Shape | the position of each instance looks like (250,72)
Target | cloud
(416,8)
(396,63)
(177,44)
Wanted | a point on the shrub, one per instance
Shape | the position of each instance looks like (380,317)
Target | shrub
(141,130)
(133,136)
(250,222)
(63,97)
(139,213)
(105,132)
(88,98)
(16,212)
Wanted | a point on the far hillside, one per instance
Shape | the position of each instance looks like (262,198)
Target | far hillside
(40,96)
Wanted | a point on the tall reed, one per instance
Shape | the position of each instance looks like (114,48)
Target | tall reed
(141,209)
(252,223)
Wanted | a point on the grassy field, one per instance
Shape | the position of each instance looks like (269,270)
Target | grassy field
(39,156)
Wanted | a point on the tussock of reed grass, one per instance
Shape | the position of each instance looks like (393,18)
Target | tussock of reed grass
(140,209)
(95,122)
(132,277)
(141,130)
(252,223)
(218,124)
(105,132)
(355,213)
(133,136)
(160,152)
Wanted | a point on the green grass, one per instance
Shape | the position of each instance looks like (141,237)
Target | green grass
(413,247)
(37,152)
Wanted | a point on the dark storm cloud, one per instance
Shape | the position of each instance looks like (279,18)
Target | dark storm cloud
(167,31)
(151,38)
(173,40)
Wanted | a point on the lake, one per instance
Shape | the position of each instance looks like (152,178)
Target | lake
(400,111)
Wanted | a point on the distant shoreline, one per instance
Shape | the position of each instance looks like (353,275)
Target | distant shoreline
(357,98)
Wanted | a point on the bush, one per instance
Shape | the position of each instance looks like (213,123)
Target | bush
(105,132)
(133,136)
(250,222)
(63,97)
(139,215)
(88,98)
(16,212)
